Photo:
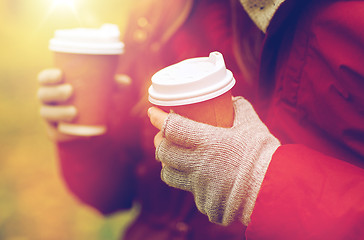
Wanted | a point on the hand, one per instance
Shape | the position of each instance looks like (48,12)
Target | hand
(222,167)
(53,93)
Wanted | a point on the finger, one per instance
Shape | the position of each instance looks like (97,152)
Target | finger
(158,139)
(55,94)
(176,178)
(122,80)
(57,136)
(157,117)
(185,132)
(175,156)
(58,113)
(50,76)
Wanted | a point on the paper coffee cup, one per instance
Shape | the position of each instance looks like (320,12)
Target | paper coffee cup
(88,59)
(197,88)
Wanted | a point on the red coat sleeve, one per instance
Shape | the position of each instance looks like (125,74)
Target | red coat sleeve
(307,195)
(97,174)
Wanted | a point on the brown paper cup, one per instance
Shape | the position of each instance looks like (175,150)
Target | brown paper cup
(91,77)
(218,111)
(197,88)
(88,58)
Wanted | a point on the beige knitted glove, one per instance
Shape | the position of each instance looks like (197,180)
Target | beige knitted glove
(222,167)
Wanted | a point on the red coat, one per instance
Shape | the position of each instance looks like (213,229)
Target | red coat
(311,98)
(312,67)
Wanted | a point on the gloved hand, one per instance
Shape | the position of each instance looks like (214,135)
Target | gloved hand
(53,93)
(222,167)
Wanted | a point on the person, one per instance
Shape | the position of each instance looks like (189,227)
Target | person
(117,171)
(292,167)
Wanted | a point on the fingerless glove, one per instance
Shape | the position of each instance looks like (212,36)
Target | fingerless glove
(222,167)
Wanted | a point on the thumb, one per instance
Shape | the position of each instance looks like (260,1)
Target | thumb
(157,117)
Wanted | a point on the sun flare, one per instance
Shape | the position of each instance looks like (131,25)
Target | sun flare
(63,4)
(69,3)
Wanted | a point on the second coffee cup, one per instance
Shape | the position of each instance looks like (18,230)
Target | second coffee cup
(88,59)
(197,88)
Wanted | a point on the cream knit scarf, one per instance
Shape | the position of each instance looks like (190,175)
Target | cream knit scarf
(261,11)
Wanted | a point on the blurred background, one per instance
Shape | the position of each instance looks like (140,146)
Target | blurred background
(34,203)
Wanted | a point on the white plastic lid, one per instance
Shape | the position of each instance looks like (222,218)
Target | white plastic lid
(103,40)
(191,81)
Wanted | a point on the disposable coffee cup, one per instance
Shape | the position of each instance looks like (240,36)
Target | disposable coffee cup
(88,58)
(197,88)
